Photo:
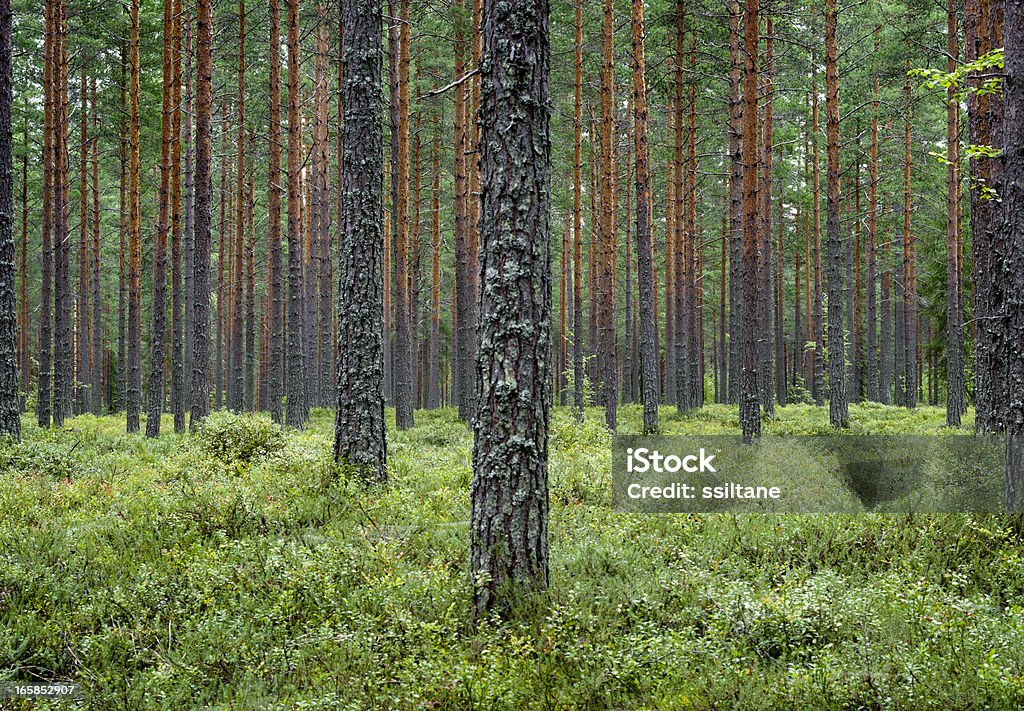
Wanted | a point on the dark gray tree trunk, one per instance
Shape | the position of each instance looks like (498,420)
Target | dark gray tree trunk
(275,369)
(508,526)
(648,326)
(750,397)
(1013,231)
(839,411)
(201,238)
(10,407)
(359,428)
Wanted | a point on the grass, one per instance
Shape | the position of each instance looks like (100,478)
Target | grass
(172,573)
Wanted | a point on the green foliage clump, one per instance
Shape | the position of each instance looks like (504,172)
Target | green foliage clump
(239,439)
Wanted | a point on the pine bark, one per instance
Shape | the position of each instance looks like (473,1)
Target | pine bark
(82,315)
(956,397)
(648,334)
(157,344)
(434,339)
(10,406)
(508,525)
(404,388)
(201,238)
(297,362)
(983,32)
(871,317)
(465,298)
(236,391)
(1013,220)
(909,272)
(607,239)
(63,351)
(839,410)
(736,290)
(275,370)
(579,374)
(96,358)
(44,395)
(133,384)
(359,425)
(750,401)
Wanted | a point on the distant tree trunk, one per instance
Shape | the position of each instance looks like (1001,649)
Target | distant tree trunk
(236,390)
(681,265)
(177,327)
(508,526)
(750,411)
(607,239)
(25,329)
(250,394)
(564,290)
(579,374)
(188,235)
(298,404)
(43,380)
(909,275)
(736,290)
(404,390)
(359,427)
(956,397)
(819,305)
(321,326)
(10,406)
(465,298)
(82,352)
(983,32)
(648,335)
(156,354)
(839,410)
(134,381)
(1013,220)
(63,361)
(873,366)
(201,240)
(767,382)
(434,341)
(96,375)
(275,370)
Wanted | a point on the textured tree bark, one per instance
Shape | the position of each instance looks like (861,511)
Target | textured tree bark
(25,329)
(275,370)
(765,337)
(155,403)
(177,301)
(648,335)
(508,526)
(201,238)
(188,234)
(44,394)
(434,340)
(297,403)
(10,407)
(359,427)
(404,391)
(96,359)
(63,363)
(579,374)
(465,296)
(750,401)
(909,271)
(1013,220)
(82,332)
(956,397)
(838,408)
(871,306)
(607,240)
(819,304)
(983,30)
(683,266)
(736,291)
(236,390)
(134,374)
(321,328)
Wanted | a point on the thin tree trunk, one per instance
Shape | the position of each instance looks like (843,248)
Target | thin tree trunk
(750,411)
(956,397)
(82,351)
(63,360)
(10,407)
(607,240)
(909,277)
(648,335)
(298,404)
(404,391)
(434,340)
(177,326)
(236,390)
(275,374)
(44,394)
(201,239)
(157,345)
(839,410)
(134,374)
(577,221)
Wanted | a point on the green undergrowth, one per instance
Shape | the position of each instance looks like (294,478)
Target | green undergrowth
(233,568)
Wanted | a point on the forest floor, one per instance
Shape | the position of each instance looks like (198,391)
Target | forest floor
(231,569)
